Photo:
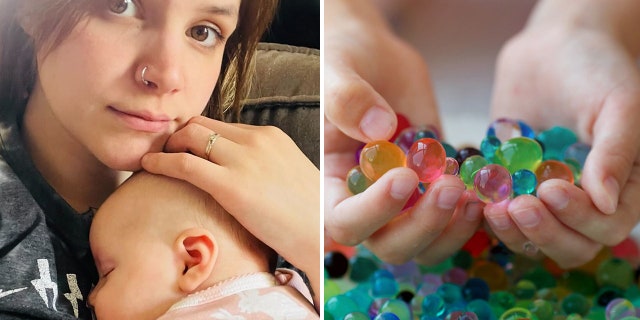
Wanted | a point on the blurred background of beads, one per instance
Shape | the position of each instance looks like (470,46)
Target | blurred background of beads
(482,281)
(512,159)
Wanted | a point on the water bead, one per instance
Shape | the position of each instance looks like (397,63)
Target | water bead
(362,299)
(383,287)
(452,167)
(462,315)
(450,150)
(467,152)
(615,272)
(433,305)
(362,268)
(425,133)
(405,138)
(406,296)
(356,316)
(331,289)
(378,157)
(504,129)
(519,153)
(524,182)
(336,264)
(463,259)
(526,130)
(397,307)
(387,316)
(575,303)
(516,314)
(542,309)
(449,292)
(619,308)
(553,169)
(578,152)
(402,124)
(490,272)
(427,158)
(357,182)
(555,141)
(481,308)
(524,289)
(580,281)
(469,167)
(488,147)
(575,168)
(456,276)
(493,183)
(339,306)
(475,288)
(415,196)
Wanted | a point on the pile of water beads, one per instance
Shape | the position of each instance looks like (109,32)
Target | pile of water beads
(483,281)
(512,159)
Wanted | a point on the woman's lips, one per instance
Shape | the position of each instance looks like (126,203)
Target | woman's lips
(143,121)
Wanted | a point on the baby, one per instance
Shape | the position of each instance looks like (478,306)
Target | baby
(165,249)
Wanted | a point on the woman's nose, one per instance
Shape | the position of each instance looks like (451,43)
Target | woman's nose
(161,69)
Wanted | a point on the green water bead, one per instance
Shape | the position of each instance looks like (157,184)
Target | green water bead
(356,316)
(541,277)
(449,149)
(361,268)
(503,299)
(331,289)
(576,303)
(580,282)
(357,181)
(516,314)
(542,309)
(615,272)
(555,140)
(524,289)
(339,306)
(398,307)
(470,167)
(519,153)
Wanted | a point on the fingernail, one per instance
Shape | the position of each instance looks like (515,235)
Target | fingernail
(402,187)
(377,124)
(558,199)
(611,190)
(448,197)
(473,211)
(498,221)
(527,218)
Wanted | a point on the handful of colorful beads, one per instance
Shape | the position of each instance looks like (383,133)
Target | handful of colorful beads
(512,159)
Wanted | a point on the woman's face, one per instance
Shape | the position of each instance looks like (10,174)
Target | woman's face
(91,84)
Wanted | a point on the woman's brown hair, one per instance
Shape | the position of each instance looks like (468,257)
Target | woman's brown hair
(50,21)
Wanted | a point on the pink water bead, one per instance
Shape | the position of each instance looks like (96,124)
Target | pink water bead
(493,183)
(427,158)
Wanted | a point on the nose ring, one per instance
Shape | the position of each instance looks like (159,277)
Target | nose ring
(144,70)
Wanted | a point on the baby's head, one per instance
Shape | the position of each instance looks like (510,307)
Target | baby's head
(157,239)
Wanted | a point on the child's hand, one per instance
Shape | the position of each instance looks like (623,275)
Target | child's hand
(369,75)
(581,76)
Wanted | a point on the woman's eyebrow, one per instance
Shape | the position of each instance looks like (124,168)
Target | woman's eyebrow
(231,11)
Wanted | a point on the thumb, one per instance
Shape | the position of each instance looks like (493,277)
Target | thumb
(616,143)
(356,108)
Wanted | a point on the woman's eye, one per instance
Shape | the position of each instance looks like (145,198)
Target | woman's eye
(208,36)
(123,7)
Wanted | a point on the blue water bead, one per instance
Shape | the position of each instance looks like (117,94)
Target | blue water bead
(524,182)
(356,316)
(488,147)
(578,152)
(526,130)
(383,287)
(433,305)
(425,133)
(362,299)
(449,292)
(383,273)
(482,309)
(339,306)
(449,149)
(555,140)
(397,307)
(475,288)
(387,316)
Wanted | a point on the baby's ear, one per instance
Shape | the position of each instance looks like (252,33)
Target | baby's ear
(198,250)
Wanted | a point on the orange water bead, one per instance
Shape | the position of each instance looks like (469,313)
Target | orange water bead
(553,169)
(378,157)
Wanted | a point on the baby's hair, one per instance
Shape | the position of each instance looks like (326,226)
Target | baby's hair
(51,21)
(206,212)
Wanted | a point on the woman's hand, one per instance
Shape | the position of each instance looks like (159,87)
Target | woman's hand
(258,174)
